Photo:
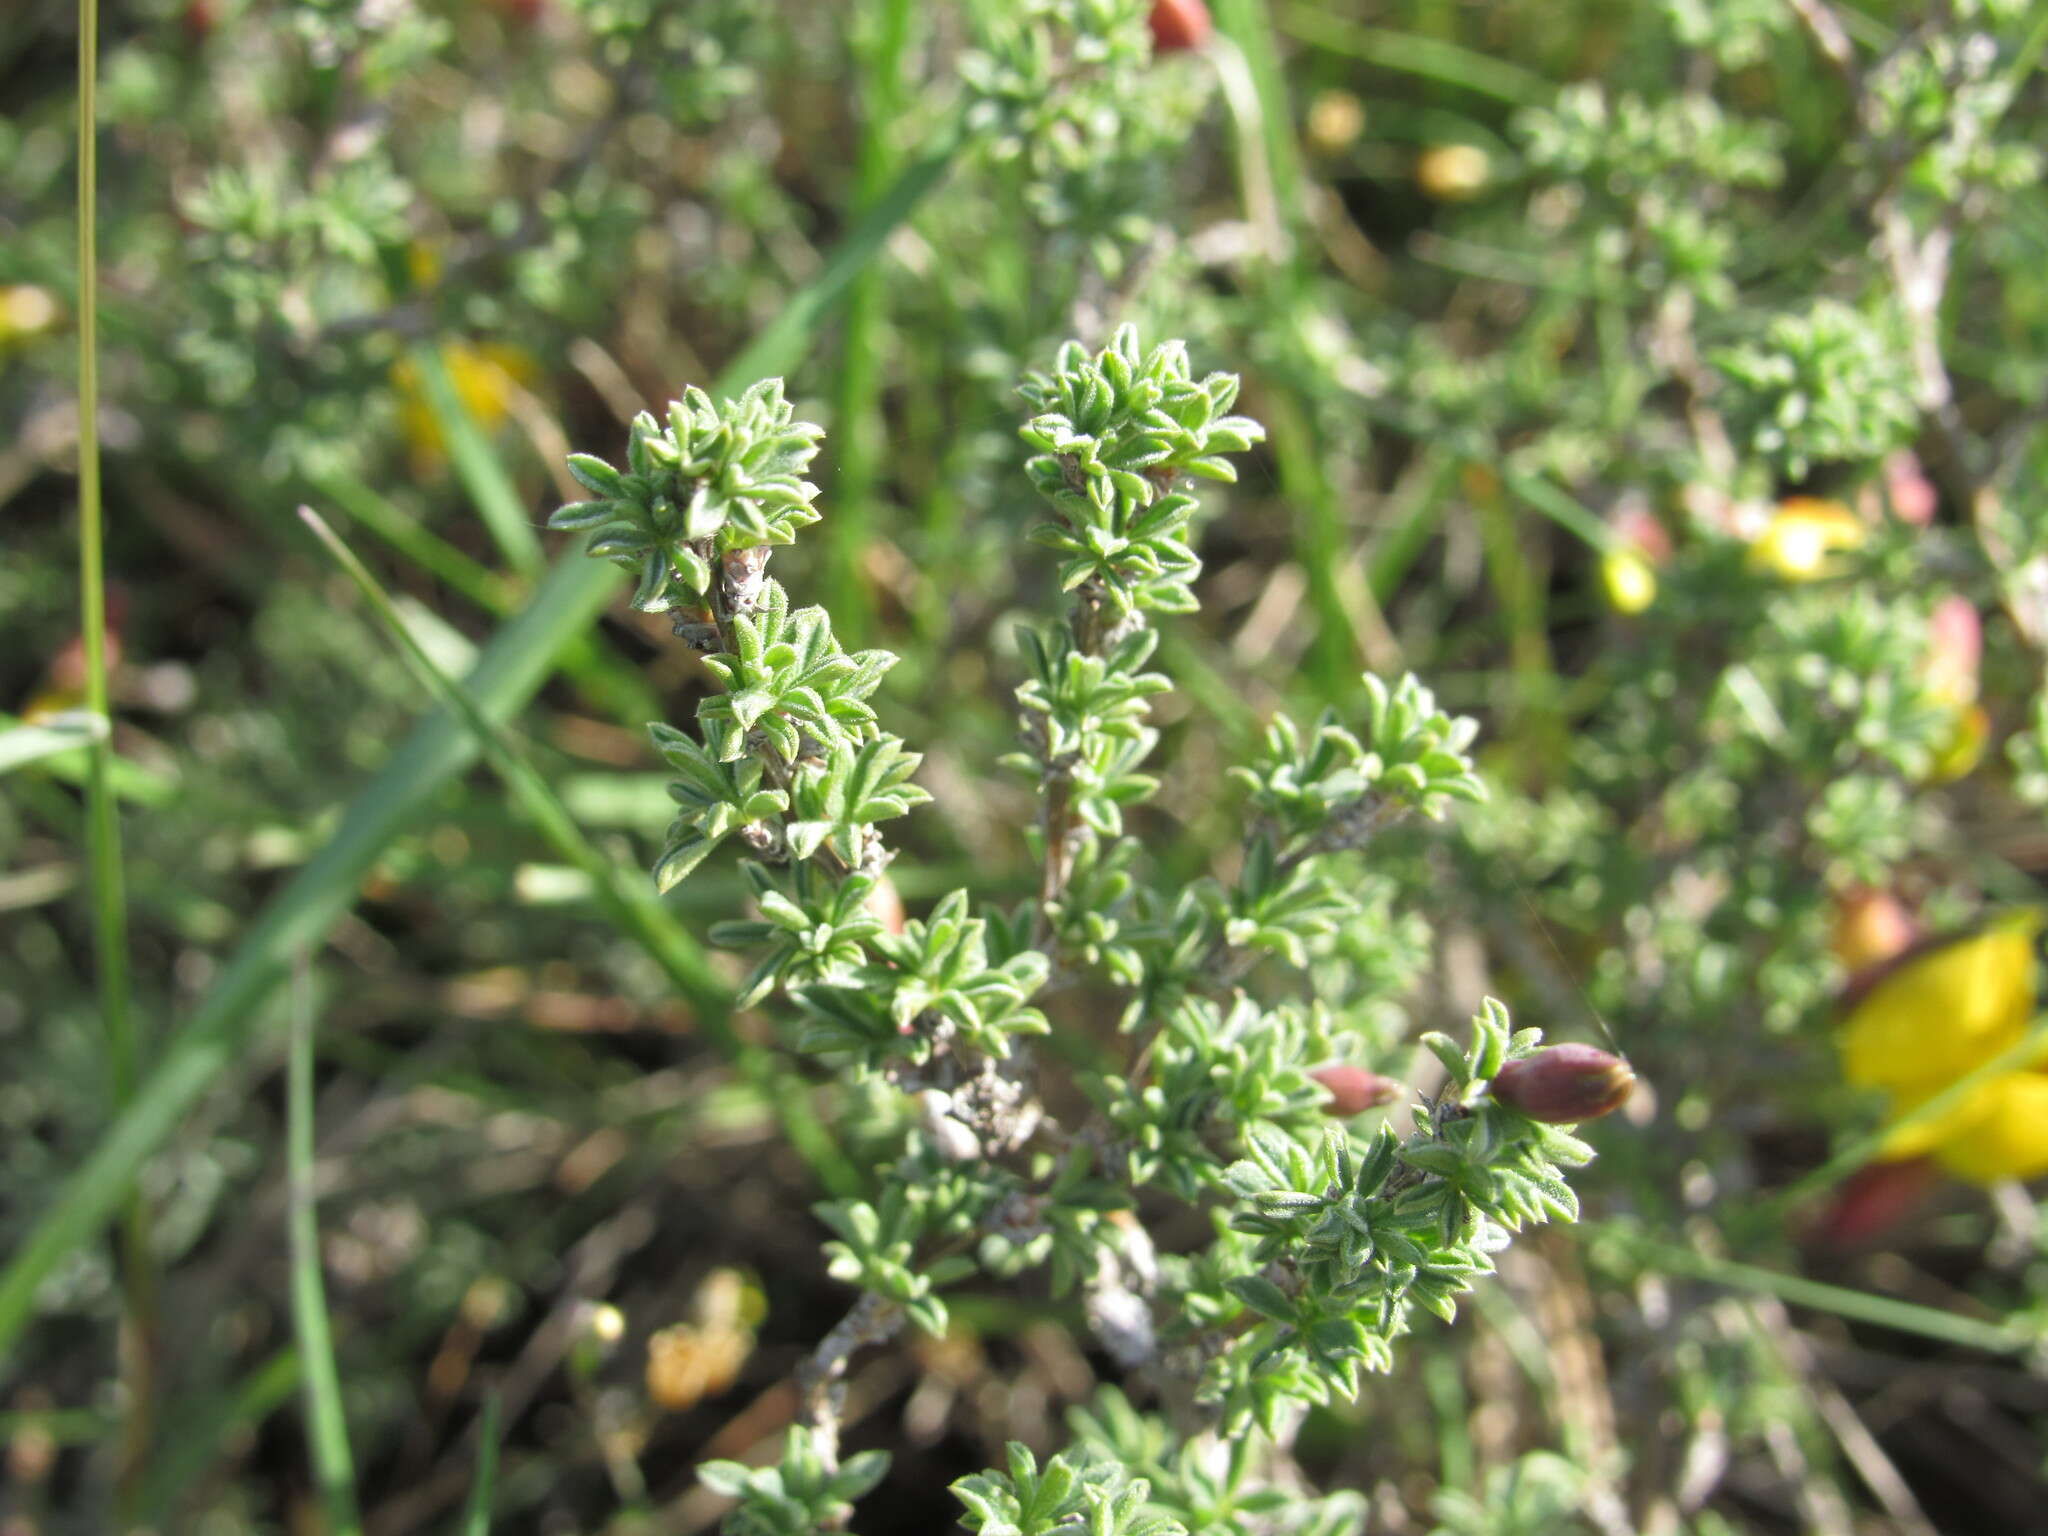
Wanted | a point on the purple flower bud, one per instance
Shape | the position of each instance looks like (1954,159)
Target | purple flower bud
(1564,1084)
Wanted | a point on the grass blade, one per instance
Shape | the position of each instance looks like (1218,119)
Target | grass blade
(645,919)
(596,669)
(510,669)
(2014,1336)
(21,745)
(856,416)
(1430,57)
(128,779)
(206,1423)
(490,591)
(103,817)
(326,1421)
(1257,71)
(627,896)
(497,499)
(476,1514)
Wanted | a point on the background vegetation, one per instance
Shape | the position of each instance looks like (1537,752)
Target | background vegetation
(1549,310)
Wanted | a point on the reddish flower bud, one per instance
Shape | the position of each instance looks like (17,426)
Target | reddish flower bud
(1639,529)
(885,905)
(1955,649)
(1353,1090)
(1564,1084)
(1178,25)
(1912,494)
(1870,926)
(1871,1202)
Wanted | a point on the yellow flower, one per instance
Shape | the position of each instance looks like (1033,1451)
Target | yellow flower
(1335,120)
(486,379)
(1629,581)
(26,312)
(1964,749)
(2004,1132)
(1453,173)
(423,264)
(1797,542)
(691,1361)
(1936,1016)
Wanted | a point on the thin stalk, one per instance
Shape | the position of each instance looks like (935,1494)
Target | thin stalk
(1563,510)
(483,476)
(1457,1462)
(2004,1338)
(1339,650)
(103,820)
(476,1513)
(488,589)
(1412,519)
(320,1380)
(856,416)
(1429,57)
(628,899)
(2025,1052)
(1518,576)
(217,1035)
(1247,24)
(200,1427)
(598,671)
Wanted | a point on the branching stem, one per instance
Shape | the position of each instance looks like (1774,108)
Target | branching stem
(821,1381)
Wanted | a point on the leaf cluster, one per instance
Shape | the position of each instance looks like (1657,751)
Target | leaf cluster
(1349,1239)
(798,1496)
(719,478)
(1113,431)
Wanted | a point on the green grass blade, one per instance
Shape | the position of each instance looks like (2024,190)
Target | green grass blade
(599,673)
(787,337)
(627,896)
(856,415)
(1429,57)
(2013,1337)
(107,885)
(644,919)
(1411,519)
(129,780)
(326,1421)
(214,1037)
(203,1426)
(505,514)
(74,729)
(510,669)
(476,1514)
(103,824)
(428,550)
(1246,23)
(1339,650)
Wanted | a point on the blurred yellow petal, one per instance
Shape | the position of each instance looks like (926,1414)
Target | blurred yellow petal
(1795,545)
(486,379)
(2006,1134)
(1946,1011)
(1925,1136)
(1964,749)
(423,264)
(1453,173)
(1630,583)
